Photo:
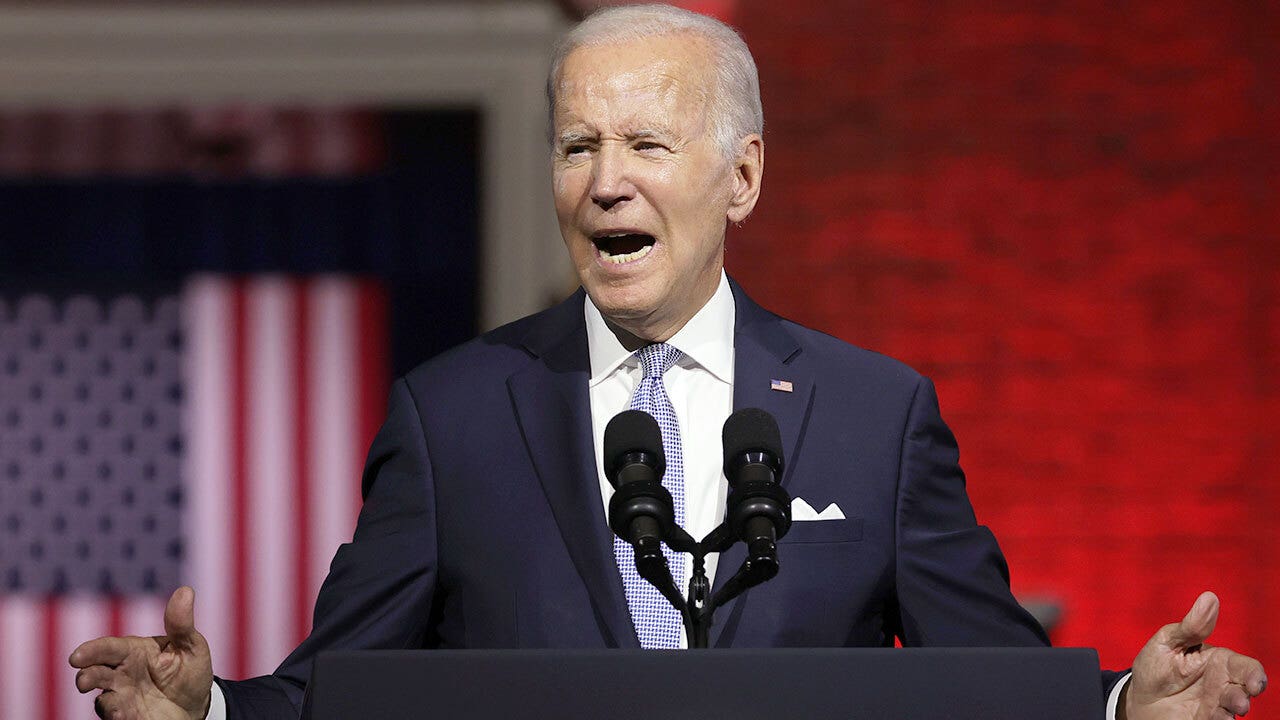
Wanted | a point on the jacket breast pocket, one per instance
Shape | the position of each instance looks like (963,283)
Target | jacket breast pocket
(824,531)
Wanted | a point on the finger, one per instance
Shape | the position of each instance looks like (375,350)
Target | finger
(96,677)
(1197,625)
(110,705)
(129,686)
(106,651)
(179,616)
(118,706)
(1247,672)
(1234,700)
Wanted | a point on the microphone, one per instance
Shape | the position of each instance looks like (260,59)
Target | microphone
(641,511)
(759,510)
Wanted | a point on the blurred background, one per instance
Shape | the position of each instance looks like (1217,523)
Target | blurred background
(224,227)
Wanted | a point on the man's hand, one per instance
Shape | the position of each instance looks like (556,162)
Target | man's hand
(1177,676)
(164,677)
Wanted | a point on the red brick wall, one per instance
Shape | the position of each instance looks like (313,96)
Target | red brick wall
(1065,213)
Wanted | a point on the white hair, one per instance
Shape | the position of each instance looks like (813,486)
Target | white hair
(735,109)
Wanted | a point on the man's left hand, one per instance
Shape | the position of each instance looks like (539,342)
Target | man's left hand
(1178,676)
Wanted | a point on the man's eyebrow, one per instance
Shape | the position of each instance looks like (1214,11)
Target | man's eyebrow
(568,137)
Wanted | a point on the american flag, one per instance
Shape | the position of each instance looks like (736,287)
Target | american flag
(210,436)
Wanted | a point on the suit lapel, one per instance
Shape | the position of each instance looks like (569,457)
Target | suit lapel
(553,409)
(764,352)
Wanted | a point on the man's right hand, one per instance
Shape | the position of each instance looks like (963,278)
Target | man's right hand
(166,677)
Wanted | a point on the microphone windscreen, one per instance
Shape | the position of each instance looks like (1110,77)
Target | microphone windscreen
(751,430)
(631,431)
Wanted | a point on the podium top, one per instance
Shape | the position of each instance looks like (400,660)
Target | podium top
(816,684)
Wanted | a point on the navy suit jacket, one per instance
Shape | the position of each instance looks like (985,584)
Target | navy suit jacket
(483,526)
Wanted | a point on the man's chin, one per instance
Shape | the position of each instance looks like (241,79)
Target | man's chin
(628,315)
(650,311)
(623,301)
(629,310)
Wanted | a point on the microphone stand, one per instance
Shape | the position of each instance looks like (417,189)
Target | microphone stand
(698,609)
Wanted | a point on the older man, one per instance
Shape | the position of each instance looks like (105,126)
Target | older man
(483,523)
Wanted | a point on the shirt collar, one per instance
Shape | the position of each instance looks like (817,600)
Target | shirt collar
(707,339)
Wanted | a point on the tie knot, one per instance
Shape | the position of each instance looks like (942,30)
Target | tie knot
(657,359)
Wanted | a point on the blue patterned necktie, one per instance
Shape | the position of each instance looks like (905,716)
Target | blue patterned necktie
(657,623)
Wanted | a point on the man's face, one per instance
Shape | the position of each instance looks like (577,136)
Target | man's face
(642,192)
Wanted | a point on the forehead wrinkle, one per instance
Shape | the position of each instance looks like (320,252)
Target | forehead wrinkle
(633,128)
(649,131)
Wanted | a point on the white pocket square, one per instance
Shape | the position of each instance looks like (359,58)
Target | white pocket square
(802,511)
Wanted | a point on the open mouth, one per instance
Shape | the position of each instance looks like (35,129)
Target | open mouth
(619,248)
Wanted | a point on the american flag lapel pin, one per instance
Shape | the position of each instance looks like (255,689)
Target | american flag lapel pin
(781,385)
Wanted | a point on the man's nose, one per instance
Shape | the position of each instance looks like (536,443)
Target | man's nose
(610,182)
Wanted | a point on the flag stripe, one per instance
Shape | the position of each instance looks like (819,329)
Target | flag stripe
(208,464)
(115,617)
(79,618)
(239,626)
(335,448)
(301,436)
(49,613)
(270,490)
(22,642)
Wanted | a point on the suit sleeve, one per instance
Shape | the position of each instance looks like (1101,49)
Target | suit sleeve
(952,580)
(379,590)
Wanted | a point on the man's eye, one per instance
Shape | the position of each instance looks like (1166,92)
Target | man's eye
(649,146)
(576,150)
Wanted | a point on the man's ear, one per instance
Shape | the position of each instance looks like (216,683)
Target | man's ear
(748,172)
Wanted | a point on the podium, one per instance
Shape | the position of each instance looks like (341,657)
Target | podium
(775,684)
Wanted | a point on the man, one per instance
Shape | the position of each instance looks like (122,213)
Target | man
(483,523)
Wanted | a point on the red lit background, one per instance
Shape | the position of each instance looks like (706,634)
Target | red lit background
(1065,213)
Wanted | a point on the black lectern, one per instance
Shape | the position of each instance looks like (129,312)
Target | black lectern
(815,684)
